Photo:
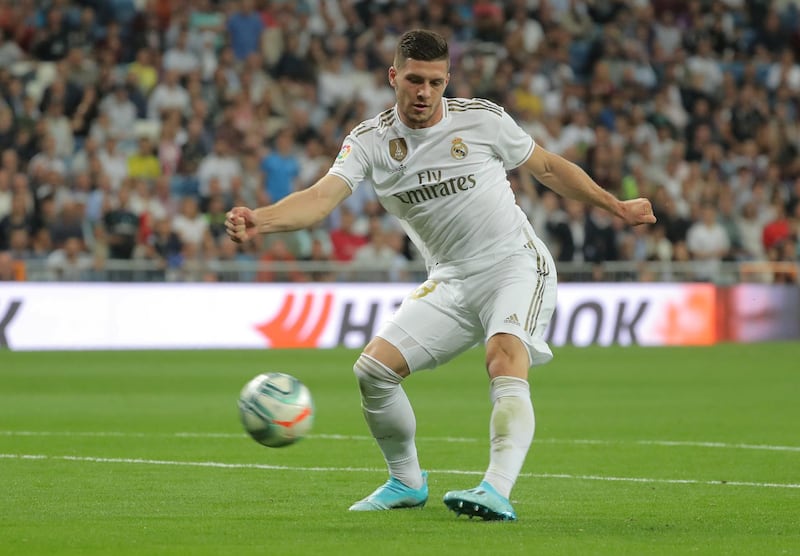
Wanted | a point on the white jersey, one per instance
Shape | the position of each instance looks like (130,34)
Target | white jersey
(447,183)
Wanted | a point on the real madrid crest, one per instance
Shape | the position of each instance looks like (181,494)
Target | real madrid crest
(459,150)
(398,149)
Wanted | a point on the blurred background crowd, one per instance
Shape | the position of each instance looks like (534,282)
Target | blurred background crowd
(129,127)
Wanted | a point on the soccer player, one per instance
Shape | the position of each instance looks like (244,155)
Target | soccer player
(439,165)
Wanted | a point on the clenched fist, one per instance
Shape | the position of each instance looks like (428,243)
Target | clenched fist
(240,224)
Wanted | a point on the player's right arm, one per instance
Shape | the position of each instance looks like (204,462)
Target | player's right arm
(294,212)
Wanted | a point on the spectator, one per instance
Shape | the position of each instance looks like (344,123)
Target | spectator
(144,163)
(244,28)
(281,168)
(252,179)
(10,52)
(82,68)
(381,258)
(85,157)
(191,225)
(242,257)
(19,245)
(578,134)
(51,43)
(219,164)
(785,72)
(6,194)
(144,71)
(113,161)
(215,215)
(41,245)
(278,264)
(164,247)
(730,223)
(121,112)
(180,58)
(47,160)
(320,254)
(85,114)
(100,129)
(112,48)
(600,244)
(169,94)
(61,91)
(6,267)
(70,263)
(9,161)
(750,229)
(146,207)
(228,261)
(58,126)
(708,244)
(313,163)
(163,198)
(19,217)
(293,65)
(344,240)
(524,34)
(778,229)
(206,22)
(86,33)
(8,129)
(195,149)
(785,256)
(68,223)
(122,229)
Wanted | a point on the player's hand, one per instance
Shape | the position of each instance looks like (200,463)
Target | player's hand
(240,224)
(638,211)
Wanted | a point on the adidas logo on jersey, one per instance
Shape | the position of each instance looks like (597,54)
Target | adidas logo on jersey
(512,319)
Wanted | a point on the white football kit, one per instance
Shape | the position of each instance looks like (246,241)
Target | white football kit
(488,271)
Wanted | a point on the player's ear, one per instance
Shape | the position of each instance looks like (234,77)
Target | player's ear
(392,76)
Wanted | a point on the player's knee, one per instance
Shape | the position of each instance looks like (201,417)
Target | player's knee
(506,355)
(371,373)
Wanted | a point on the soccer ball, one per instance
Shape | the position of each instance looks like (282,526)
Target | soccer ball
(276,409)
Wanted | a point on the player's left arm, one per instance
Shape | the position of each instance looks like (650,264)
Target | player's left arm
(569,180)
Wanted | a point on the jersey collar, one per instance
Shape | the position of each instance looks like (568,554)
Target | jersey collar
(406,129)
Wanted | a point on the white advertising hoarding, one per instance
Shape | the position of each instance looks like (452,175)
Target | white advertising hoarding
(48,316)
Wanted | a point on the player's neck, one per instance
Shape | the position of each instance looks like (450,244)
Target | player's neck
(437,117)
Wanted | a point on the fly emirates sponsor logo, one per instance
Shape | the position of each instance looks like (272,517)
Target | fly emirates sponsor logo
(433,186)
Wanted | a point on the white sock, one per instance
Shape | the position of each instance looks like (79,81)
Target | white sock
(511,431)
(390,418)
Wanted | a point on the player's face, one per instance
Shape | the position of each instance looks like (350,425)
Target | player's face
(419,87)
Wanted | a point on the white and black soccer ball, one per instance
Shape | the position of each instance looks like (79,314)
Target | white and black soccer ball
(276,409)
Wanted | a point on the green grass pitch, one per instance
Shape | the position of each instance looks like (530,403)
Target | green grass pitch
(637,451)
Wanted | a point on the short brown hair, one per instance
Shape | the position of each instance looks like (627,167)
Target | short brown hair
(422,45)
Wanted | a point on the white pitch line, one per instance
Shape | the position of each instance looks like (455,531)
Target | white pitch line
(444,439)
(261,466)
(675,443)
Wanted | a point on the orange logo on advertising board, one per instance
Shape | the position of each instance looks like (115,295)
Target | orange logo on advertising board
(693,321)
(283,333)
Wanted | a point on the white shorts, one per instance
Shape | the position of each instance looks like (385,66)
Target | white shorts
(440,320)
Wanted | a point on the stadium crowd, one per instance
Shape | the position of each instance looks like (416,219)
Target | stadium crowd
(129,127)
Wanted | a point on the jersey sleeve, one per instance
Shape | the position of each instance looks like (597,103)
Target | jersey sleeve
(352,162)
(513,145)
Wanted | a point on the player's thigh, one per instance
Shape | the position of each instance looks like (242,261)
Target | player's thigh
(518,298)
(430,327)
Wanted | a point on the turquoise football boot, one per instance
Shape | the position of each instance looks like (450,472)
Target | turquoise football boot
(394,495)
(482,501)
